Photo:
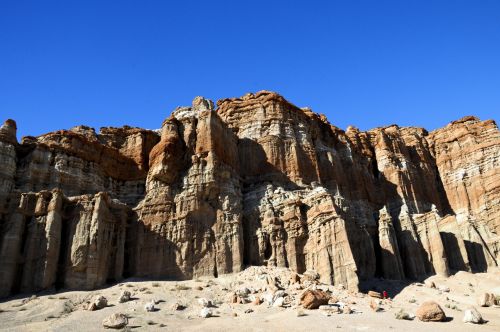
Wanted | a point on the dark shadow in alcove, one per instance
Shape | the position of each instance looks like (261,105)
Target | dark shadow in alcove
(441,201)
(144,243)
(477,258)
(17,284)
(452,249)
(379,267)
(392,287)
(63,253)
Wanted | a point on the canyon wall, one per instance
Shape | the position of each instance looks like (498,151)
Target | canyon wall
(251,181)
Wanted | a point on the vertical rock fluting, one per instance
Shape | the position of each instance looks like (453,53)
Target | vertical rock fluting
(49,240)
(189,223)
(255,181)
(8,159)
(391,168)
(468,159)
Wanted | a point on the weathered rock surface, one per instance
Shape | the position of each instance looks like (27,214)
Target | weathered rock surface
(486,300)
(471,315)
(430,311)
(115,321)
(313,299)
(256,181)
(124,297)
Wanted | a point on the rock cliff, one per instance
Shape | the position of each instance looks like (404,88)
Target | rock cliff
(252,181)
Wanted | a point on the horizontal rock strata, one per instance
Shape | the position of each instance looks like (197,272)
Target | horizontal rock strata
(253,181)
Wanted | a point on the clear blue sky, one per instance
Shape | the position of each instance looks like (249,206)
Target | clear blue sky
(367,63)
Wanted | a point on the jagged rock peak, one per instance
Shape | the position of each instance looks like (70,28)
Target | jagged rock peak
(8,131)
(198,106)
(201,104)
(465,119)
(85,131)
(251,99)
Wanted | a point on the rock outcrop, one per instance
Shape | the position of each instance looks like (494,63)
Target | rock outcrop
(255,181)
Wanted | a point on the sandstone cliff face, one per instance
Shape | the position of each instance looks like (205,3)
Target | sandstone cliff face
(190,222)
(256,181)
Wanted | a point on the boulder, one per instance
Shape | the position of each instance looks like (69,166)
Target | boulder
(150,306)
(403,315)
(471,315)
(206,313)
(97,303)
(115,321)
(312,299)
(101,302)
(124,296)
(430,311)
(486,300)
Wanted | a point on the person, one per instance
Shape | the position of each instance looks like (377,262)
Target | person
(384,294)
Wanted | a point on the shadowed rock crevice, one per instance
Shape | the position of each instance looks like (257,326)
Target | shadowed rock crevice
(452,247)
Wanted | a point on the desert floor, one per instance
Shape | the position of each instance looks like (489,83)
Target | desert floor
(64,311)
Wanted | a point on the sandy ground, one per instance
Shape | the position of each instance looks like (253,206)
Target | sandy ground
(64,311)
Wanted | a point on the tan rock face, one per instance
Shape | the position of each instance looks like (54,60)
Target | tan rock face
(467,157)
(76,242)
(190,222)
(256,181)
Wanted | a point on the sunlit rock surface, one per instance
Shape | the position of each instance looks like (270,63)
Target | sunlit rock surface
(252,181)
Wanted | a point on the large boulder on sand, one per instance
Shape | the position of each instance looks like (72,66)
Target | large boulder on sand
(312,299)
(430,311)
